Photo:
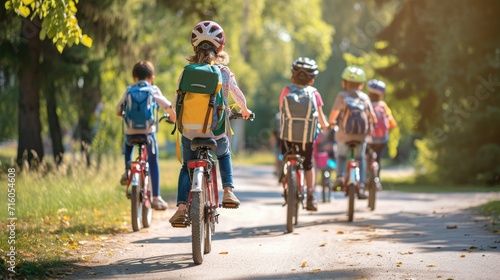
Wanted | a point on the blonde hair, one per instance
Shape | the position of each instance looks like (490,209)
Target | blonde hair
(208,56)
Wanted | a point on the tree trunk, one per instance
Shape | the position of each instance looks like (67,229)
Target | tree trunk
(87,117)
(30,147)
(54,126)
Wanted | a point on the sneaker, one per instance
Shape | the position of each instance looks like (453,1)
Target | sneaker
(159,204)
(311,204)
(361,193)
(179,218)
(229,200)
(124,178)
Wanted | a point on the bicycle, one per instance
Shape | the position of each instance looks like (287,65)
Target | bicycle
(138,179)
(352,181)
(294,190)
(372,179)
(203,199)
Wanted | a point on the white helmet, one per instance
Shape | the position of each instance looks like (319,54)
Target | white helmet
(208,31)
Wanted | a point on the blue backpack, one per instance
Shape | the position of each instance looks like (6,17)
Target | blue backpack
(140,105)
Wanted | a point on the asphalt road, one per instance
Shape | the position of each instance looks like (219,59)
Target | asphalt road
(408,236)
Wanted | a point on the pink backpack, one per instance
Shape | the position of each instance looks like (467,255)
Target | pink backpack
(382,127)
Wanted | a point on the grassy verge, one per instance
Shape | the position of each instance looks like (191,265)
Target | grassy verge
(492,211)
(56,211)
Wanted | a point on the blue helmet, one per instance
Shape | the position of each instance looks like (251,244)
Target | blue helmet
(376,86)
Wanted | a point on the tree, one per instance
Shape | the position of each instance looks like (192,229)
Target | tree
(448,64)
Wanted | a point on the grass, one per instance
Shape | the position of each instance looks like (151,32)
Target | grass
(57,210)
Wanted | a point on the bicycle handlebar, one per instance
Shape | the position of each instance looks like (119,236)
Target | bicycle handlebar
(166,117)
(239,115)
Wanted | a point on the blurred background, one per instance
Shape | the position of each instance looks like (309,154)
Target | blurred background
(64,66)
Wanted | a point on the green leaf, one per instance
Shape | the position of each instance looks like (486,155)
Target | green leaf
(43,33)
(27,2)
(8,4)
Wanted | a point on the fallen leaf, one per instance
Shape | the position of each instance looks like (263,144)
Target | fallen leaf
(322,245)
(325,230)
(399,263)
(452,227)
(316,269)
(303,264)
(406,253)
(473,247)
(462,256)
(340,232)
(223,253)
(431,265)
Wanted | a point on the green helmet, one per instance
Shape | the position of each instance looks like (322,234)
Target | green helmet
(354,74)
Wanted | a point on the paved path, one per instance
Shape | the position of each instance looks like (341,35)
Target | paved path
(408,236)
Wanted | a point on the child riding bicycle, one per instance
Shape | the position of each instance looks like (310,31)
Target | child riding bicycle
(208,40)
(301,109)
(385,120)
(143,76)
(356,119)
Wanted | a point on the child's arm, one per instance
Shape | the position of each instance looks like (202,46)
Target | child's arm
(232,87)
(120,104)
(392,121)
(164,103)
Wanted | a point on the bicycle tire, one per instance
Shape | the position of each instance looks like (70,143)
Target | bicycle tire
(197,226)
(372,192)
(207,222)
(351,193)
(135,203)
(291,197)
(147,209)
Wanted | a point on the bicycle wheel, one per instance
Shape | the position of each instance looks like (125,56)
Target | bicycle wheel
(351,193)
(135,202)
(291,197)
(196,211)
(146,199)
(372,191)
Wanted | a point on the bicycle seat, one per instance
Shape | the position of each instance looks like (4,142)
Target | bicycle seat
(353,144)
(139,139)
(203,142)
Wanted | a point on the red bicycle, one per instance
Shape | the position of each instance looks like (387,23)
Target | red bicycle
(139,186)
(352,181)
(203,199)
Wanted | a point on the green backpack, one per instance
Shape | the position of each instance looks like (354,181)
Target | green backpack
(200,104)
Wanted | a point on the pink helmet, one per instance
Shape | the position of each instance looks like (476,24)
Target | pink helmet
(208,31)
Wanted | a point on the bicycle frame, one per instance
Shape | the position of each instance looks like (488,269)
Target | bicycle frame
(205,167)
(352,182)
(139,169)
(141,194)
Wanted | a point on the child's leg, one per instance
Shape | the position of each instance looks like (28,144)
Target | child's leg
(342,150)
(225,163)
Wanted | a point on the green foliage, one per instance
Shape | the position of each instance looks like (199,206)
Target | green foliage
(457,107)
(59,21)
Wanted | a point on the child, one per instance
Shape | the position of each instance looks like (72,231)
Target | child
(208,39)
(385,120)
(143,72)
(304,71)
(352,83)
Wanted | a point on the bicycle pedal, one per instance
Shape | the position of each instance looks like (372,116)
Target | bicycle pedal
(230,205)
(179,225)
